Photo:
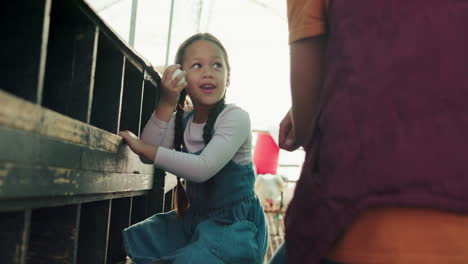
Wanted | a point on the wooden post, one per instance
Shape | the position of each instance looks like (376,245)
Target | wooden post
(69,61)
(24,51)
(14,233)
(107,86)
(131,99)
(53,235)
(94,232)
(120,219)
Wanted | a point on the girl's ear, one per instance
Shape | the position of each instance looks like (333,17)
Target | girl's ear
(228,80)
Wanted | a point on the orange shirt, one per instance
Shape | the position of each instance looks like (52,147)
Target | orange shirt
(404,236)
(306,18)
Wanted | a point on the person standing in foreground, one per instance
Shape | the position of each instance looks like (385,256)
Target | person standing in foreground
(379,91)
(224,222)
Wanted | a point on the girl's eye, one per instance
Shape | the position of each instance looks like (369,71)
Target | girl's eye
(217,65)
(196,66)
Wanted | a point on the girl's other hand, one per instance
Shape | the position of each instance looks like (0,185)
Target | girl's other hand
(135,144)
(171,87)
(287,139)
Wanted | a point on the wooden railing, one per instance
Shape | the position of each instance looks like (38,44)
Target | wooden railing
(68,185)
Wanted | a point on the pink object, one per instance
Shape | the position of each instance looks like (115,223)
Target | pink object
(266,154)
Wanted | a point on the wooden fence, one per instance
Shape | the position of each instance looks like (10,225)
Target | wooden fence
(68,186)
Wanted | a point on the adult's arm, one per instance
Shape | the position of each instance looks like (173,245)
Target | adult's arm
(307,22)
(307,69)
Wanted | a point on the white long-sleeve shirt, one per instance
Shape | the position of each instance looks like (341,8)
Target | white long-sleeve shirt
(232,140)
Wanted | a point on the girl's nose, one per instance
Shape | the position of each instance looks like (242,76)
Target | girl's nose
(208,73)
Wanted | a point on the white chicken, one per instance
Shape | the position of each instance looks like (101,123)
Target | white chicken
(269,189)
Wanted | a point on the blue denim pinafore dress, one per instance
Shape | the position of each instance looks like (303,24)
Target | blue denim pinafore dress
(224,224)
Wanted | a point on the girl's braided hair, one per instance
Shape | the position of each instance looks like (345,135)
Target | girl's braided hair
(180,199)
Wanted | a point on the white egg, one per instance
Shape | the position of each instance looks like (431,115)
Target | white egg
(177,72)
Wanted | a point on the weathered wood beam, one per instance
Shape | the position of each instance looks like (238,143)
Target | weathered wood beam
(30,148)
(28,181)
(18,113)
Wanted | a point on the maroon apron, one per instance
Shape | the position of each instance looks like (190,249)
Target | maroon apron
(392,129)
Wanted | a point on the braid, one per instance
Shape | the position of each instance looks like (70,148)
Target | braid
(178,130)
(180,198)
(208,128)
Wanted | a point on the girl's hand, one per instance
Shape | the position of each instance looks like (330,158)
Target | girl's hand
(287,139)
(171,87)
(135,144)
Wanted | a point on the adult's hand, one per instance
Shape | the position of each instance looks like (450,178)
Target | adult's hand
(287,138)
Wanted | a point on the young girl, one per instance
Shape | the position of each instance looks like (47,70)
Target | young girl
(224,222)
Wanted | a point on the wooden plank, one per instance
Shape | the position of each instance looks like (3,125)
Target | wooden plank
(53,235)
(30,148)
(94,232)
(39,171)
(16,181)
(14,231)
(63,127)
(70,61)
(19,146)
(124,161)
(103,140)
(18,113)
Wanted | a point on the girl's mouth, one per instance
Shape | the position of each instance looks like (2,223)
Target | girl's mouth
(207,88)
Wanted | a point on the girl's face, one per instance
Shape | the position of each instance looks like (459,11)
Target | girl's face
(207,74)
